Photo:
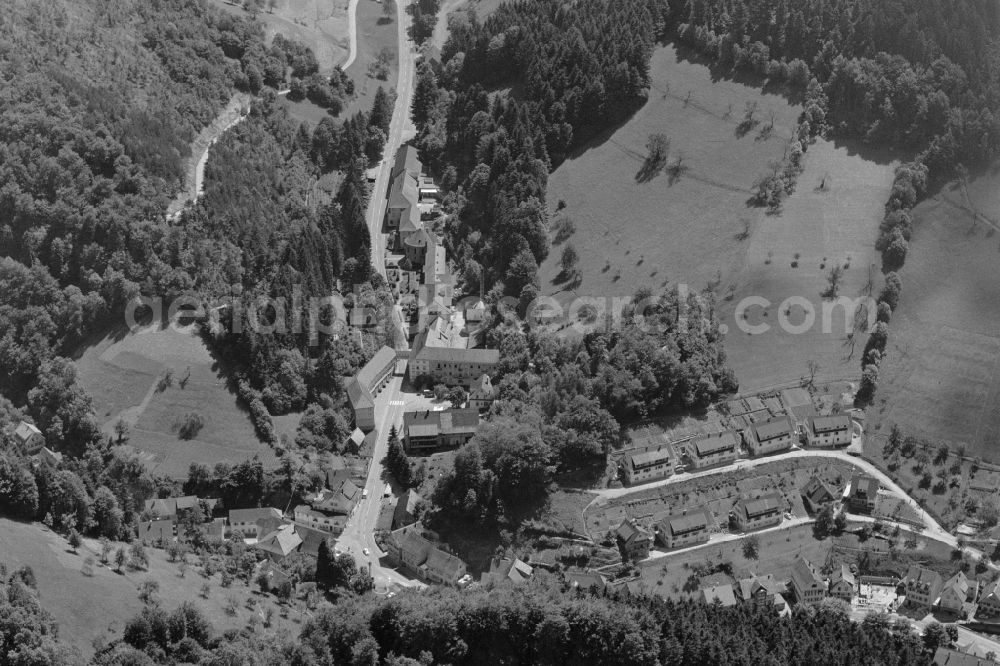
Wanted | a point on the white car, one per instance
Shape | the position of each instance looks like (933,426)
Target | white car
(366,551)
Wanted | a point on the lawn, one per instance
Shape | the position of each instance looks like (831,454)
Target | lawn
(791,255)
(940,379)
(632,232)
(90,606)
(322,25)
(122,375)
(375,34)
(698,228)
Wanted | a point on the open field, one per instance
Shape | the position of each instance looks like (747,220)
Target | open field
(791,254)
(940,379)
(90,606)
(697,229)
(457,8)
(322,25)
(375,33)
(122,374)
(631,233)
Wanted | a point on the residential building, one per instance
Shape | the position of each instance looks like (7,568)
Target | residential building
(452,366)
(828,431)
(648,465)
(311,539)
(806,582)
(29,438)
(405,512)
(863,493)
(588,581)
(771,436)
(170,507)
(275,577)
(923,586)
(252,523)
(752,514)
(482,394)
(634,542)
(954,594)
(761,590)
(318,520)
(48,456)
(989,600)
(718,449)
(402,211)
(507,570)
(340,499)
(449,428)
(280,543)
(443,568)
(843,584)
(155,531)
(677,531)
(355,440)
(724,594)
(364,386)
(816,494)
(948,657)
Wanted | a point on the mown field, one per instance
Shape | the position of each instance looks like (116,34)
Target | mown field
(940,379)
(322,25)
(375,34)
(88,607)
(697,227)
(122,374)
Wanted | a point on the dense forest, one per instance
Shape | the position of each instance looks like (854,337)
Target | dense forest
(541,623)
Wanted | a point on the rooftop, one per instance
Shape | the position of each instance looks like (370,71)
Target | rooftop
(770,503)
(648,458)
(773,428)
(682,524)
(723,593)
(455,355)
(711,444)
(805,575)
(823,424)
(445,422)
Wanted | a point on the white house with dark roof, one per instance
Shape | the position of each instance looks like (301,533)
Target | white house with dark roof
(817,493)
(448,428)
(280,543)
(863,493)
(765,511)
(826,431)
(648,465)
(29,438)
(718,449)
(482,394)
(252,523)
(686,529)
(777,434)
(451,365)
(954,594)
(923,586)
(723,594)
(806,582)
(843,583)
(633,540)
(989,600)
(364,386)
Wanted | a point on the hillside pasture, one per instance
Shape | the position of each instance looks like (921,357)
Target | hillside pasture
(941,377)
(635,229)
(374,35)
(123,374)
(830,220)
(322,25)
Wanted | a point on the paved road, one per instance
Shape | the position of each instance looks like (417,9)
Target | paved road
(359,532)
(352,31)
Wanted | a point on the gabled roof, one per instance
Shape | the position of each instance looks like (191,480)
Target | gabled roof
(824,424)
(585,580)
(724,593)
(282,541)
(684,523)
(155,530)
(770,585)
(428,423)
(958,584)
(25,431)
(372,369)
(843,574)
(311,539)
(629,532)
(519,571)
(710,444)
(403,193)
(768,504)
(648,458)
(358,394)
(864,486)
(948,657)
(406,161)
(254,515)
(805,574)
(482,389)
(773,428)
(818,492)
(923,579)
(444,565)
(412,545)
(456,355)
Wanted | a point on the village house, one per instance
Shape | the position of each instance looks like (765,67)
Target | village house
(364,386)
(171,507)
(153,532)
(633,541)
(29,438)
(762,590)
(923,587)
(723,594)
(48,456)
(408,549)
(826,431)
(252,523)
(339,498)
(719,449)
(280,543)
(647,465)
(948,657)
(684,529)
(771,436)
(405,511)
(451,365)
(318,520)
(863,493)
(816,494)
(482,394)
(955,594)
(587,581)
(507,570)
(989,600)
(443,568)
(752,514)
(428,430)
(843,584)
(806,582)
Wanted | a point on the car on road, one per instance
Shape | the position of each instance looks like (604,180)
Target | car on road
(366,551)
(364,493)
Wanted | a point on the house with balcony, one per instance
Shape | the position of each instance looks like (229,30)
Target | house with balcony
(687,529)
(633,540)
(647,465)
(923,587)
(754,514)
(843,583)
(711,450)
(829,431)
(772,436)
